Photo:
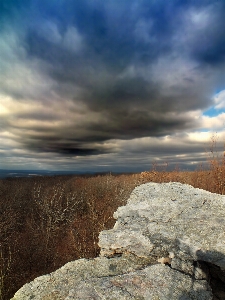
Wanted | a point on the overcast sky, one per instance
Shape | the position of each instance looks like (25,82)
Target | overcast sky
(110,85)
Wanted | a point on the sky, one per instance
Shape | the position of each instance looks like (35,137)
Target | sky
(110,85)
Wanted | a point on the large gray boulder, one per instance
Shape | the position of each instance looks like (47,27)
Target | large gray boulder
(168,243)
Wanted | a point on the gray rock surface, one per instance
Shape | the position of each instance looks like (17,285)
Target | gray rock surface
(126,277)
(168,243)
(169,219)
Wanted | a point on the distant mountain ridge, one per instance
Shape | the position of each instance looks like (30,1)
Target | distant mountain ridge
(31,173)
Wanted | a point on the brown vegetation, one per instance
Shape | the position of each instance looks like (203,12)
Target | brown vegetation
(48,221)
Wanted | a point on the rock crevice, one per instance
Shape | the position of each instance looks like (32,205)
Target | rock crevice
(168,243)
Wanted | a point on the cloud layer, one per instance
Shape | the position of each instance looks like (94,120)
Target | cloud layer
(101,81)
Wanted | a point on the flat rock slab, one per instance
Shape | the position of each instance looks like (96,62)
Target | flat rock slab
(122,278)
(170,220)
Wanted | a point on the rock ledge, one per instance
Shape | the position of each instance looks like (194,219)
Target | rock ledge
(168,243)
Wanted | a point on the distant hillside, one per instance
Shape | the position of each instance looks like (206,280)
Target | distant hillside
(31,173)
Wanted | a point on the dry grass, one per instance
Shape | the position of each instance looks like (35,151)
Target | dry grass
(48,221)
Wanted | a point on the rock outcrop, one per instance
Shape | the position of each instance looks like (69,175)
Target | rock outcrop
(168,243)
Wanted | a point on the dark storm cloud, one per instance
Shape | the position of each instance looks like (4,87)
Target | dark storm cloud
(139,68)
(71,149)
(127,125)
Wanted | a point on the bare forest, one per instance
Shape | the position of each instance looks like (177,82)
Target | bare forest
(48,221)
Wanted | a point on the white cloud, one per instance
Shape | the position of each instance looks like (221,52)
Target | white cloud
(219,100)
(199,18)
(179,76)
(195,27)
(216,123)
(71,39)
(21,77)
(7,141)
(49,31)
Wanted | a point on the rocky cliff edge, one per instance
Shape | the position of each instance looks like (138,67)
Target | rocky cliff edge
(168,243)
